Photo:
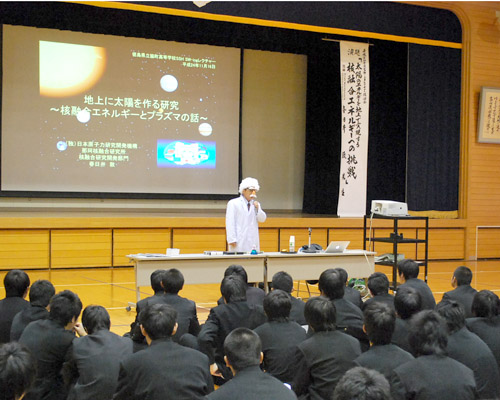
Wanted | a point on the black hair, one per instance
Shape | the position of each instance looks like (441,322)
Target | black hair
(408,268)
(16,282)
(453,313)
(283,281)
(95,318)
(242,348)
(380,321)
(64,306)
(17,370)
(156,279)
(485,304)
(362,384)
(320,314)
(343,274)
(407,302)
(463,275)
(41,292)
(378,283)
(331,284)
(173,281)
(235,269)
(233,289)
(277,305)
(158,320)
(428,334)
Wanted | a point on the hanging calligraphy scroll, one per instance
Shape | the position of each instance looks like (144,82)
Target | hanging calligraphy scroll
(355,86)
(489,116)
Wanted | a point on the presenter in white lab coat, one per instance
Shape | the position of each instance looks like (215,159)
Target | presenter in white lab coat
(243,215)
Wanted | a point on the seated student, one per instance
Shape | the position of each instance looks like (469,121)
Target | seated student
(254,295)
(135,330)
(16,283)
(165,370)
(350,293)
(408,274)
(93,363)
(234,313)
(467,348)
(463,292)
(383,356)
(349,317)
(187,318)
(486,322)
(432,375)
(279,336)
(362,384)
(17,371)
(407,303)
(283,281)
(322,359)
(40,294)
(243,356)
(49,340)
(378,286)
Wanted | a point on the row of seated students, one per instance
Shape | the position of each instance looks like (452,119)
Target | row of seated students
(255,346)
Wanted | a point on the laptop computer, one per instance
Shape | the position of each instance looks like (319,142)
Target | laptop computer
(337,247)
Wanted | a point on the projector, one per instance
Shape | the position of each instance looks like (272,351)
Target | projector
(389,208)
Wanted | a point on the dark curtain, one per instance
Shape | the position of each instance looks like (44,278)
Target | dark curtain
(387,137)
(433,128)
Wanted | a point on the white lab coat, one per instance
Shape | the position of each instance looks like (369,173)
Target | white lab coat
(242,224)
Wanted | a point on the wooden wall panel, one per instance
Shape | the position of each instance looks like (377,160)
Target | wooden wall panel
(488,243)
(194,241)
(355,236)
(318,236)
(444,244)
(81,248)
(269,238)
(133,241)
(25,249)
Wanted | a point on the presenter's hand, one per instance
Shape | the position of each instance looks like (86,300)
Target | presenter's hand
(256,204)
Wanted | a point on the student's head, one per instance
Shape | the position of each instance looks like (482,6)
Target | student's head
(453,313)
(95,318)
(243,349)
(41,292)
(428,334)
(320,314)
(407,302)
(17,370)
(362,384)
(378,283)
(65,307)
(408,269)
(173,281)
(331,284)
(485,304)
(283,281)
(277,305)
(156,279)
(462,276)
(158,320)
(235,269)
(379,321)
(233,289)
(343,274)
(16,283)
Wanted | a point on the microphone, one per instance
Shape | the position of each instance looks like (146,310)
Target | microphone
(310,231)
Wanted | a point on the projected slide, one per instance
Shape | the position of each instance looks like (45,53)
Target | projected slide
(108,114)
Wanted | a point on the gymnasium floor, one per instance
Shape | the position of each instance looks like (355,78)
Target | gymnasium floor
(114,288)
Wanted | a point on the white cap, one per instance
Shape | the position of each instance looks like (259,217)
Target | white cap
(249,183)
